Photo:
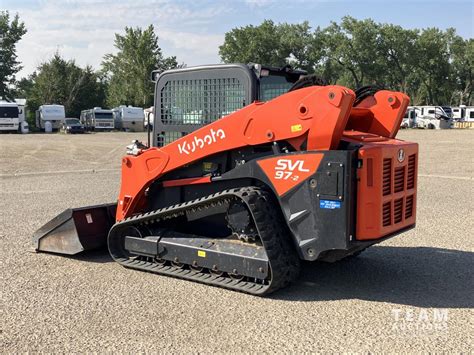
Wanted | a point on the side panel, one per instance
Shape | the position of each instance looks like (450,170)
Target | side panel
(319,208)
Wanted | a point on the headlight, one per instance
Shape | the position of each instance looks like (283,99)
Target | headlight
(68,127)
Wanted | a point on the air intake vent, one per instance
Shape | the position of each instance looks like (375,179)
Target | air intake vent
(411,171)
(387,214)
(409,207)
(387,176)
(398,210)
(399,184)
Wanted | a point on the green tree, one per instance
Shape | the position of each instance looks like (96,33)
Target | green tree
(60,81)
(10,33)
(128,71)
(432,67)
(396,52)
(352,45)
(270,44)
(462,68)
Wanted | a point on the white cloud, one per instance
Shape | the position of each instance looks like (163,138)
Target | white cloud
(84,30)
(259,3)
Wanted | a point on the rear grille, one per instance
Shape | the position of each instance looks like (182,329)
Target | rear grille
(411,171)
(398,210)
(399,183)
(398,180)
(387,214)
(387,176)
(409,207)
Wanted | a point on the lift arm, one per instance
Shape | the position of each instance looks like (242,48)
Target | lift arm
(318,114)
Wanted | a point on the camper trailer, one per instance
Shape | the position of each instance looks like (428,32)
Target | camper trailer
(458,112)
(409,120)
(10,116)
(129,118)
(54,114)
(463,113)
(98,119)
(433,117)
(149,117)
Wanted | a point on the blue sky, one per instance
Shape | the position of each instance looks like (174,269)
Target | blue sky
(193,30)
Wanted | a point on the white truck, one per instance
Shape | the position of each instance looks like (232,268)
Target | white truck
(129,118)
(98,119)
(11,116)
(54,114)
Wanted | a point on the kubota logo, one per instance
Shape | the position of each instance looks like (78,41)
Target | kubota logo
(199,143)
(285,169)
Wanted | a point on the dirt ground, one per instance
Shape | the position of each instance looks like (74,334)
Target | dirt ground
(411,293)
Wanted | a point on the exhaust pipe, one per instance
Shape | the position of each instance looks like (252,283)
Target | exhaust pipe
(76,230)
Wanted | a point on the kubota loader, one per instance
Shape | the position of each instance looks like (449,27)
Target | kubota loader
(235,193)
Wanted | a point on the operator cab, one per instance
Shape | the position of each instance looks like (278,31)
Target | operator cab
(189,98)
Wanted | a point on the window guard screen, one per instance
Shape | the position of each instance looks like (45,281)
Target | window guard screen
(200,101)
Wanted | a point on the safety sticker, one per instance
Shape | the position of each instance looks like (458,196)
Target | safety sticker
(89,218)
(330,205)
(296,128)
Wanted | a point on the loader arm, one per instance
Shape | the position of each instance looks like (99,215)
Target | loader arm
(318,114)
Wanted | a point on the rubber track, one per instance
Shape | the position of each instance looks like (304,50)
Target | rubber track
(283,260)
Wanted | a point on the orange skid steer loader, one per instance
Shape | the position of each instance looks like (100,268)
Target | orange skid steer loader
(250,170)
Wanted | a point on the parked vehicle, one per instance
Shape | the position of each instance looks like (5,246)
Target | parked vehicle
(433,117)
(469,114)
(448,111)
(72,125)
(463,113)
(409,120)
(97,119)
(458,112)
(129,118)
(9,116)
(149,117)
(54,114)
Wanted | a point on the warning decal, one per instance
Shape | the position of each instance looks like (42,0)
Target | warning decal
(329,204)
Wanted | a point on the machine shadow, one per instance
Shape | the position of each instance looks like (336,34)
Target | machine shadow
(418,276)
(99,256)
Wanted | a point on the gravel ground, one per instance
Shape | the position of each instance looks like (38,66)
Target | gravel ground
(394,297)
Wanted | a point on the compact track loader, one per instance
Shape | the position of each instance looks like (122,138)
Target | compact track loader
(251,170)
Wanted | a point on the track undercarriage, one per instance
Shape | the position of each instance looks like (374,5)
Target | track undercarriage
(259,264)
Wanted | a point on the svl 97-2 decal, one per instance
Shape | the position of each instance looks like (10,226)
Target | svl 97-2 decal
(288,171)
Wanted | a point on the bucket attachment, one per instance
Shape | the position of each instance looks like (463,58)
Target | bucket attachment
(76,230)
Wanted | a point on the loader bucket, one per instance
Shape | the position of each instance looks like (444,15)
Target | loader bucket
(76,230)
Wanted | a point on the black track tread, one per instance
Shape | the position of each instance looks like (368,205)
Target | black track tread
(273,232)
